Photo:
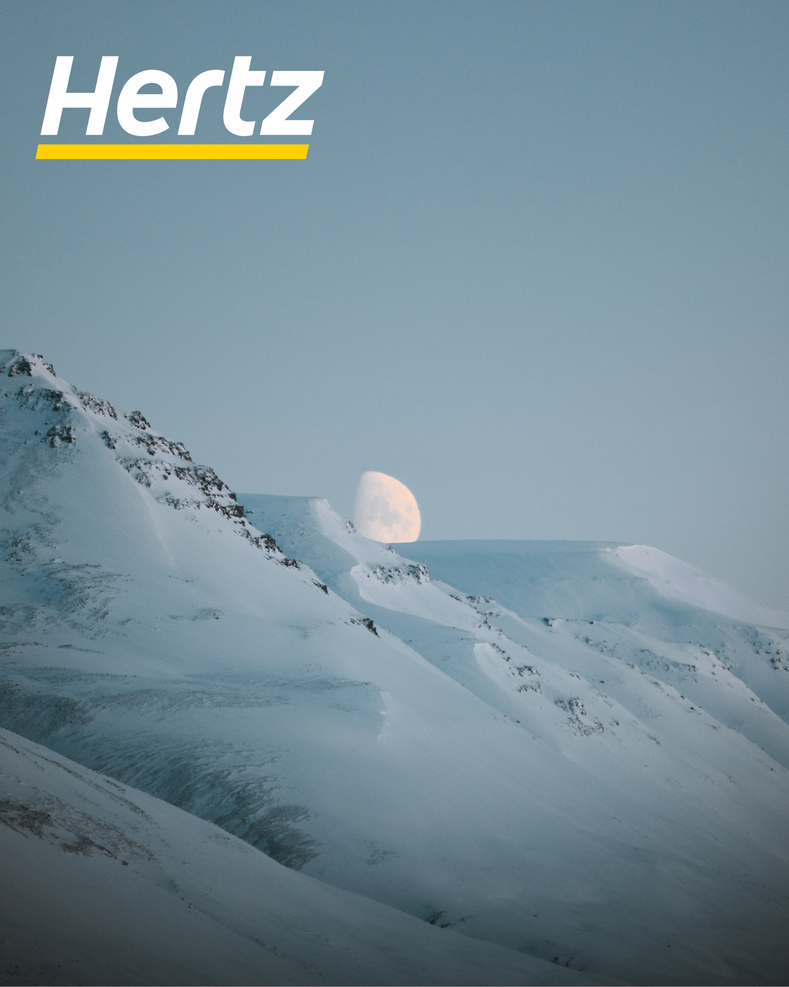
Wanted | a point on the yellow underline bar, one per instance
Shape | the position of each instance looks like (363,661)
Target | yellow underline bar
(171,152)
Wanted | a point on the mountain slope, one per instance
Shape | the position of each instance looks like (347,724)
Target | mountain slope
(448,734)
(105,885)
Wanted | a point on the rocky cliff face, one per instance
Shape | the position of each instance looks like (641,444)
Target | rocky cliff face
(62,417)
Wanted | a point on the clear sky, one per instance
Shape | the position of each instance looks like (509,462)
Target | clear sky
(534,266)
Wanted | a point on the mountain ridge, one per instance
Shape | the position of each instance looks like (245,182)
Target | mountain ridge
(544,749)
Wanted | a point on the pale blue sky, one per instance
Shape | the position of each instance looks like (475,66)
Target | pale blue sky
(535,265)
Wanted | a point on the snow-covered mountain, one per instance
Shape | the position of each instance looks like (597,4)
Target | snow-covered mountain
(105,885)
(578,751)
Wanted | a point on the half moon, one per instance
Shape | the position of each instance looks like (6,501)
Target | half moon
(386,510)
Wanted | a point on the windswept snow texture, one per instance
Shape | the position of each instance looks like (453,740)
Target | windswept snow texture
(105,885)
(541,745)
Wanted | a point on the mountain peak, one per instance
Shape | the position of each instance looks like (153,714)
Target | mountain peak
(14,363)
(42,408)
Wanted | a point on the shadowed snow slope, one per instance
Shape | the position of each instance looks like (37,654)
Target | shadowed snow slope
(103,884)
(534,744)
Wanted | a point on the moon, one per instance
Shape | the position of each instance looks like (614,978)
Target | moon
(386,510)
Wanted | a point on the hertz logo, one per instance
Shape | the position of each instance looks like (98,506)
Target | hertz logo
(276,124)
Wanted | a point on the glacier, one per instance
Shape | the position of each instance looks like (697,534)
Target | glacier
(574,753)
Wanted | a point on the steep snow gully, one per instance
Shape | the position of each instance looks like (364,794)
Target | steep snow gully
(321,761)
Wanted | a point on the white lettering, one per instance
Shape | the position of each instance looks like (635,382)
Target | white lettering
(277,121)
(60,98)
(240,78)
(131,99)
(194,97)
